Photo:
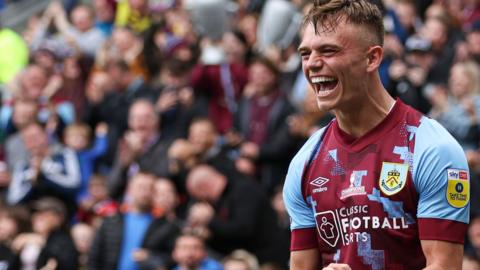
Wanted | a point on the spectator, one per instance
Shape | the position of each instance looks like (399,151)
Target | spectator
(409,75)
(260,120)
(54,245)
(13,221)
(134,14)
(49,170)
(166,200)
(142,148)
(134,239)
(459,112)
(190,253)
(81,35)
(77,137)
(105,15)
(82,235)
(203,145)
(240,260)
(96,204)
(233,214)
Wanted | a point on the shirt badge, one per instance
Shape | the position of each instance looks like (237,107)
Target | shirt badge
(355,187)
(458,189)
(393,177)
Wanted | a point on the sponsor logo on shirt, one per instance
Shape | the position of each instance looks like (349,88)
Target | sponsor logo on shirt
(319,183)
(348,224)
(393,177)
(355,187)
(458,188)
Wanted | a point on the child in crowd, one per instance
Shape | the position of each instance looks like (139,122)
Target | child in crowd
(96,203)
(77,137)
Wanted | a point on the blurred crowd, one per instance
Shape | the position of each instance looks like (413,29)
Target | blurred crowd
(156,134)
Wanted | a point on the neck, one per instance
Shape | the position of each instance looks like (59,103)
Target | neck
(367,112)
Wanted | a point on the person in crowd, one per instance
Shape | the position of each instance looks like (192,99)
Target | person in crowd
(142,148)
(458,110)
(77,137)
(233,213)
(50,244)
(260,120)
(96,204)
(240,260)
(49,170)
(82,235)
(203,145)
(190,253)
(134,238)
(14,220)
(105,15)
(80,35)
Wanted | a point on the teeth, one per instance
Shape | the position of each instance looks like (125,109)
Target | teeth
(322,79)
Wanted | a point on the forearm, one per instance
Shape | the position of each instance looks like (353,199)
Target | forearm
(308,259)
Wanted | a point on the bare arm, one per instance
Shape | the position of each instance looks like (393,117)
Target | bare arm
(308,259)
(442,255)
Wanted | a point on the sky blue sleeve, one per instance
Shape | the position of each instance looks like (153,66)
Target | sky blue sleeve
(436,151)
(301,214)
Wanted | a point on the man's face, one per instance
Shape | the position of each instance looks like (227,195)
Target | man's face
(82,19)
(202,135)
(141,188)
(335,64)
(35,140)
(189,251)
(142,119)
(262,78)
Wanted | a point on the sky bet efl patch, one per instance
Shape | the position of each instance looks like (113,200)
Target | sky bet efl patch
(458,189)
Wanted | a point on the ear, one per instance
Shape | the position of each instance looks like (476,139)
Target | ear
(374,58)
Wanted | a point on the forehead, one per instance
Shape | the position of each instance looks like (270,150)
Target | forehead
(343,34)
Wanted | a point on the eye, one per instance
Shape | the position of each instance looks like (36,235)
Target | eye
(304,55)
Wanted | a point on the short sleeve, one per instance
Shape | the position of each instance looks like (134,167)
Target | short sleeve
(302,220)
(441,178)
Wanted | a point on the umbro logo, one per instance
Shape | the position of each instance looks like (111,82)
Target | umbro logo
(319,183)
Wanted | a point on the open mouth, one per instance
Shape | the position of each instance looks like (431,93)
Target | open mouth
(324,84)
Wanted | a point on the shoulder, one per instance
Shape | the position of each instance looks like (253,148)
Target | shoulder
(311,145)
(434,141)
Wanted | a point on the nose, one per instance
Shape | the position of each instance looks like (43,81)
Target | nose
(314,62)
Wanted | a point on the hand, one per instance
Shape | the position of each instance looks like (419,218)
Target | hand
(200,214)
(417,76)
(101,129)
(140,255)
(27,239)
(337,266)
(397,69)
(181,150)
(166,101)
(233,138)
(249,150)
(245,166)
(134,141)
(51,265)
(297,126)
(186,97)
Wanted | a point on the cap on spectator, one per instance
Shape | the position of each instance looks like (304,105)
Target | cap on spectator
(418,44)
(50,204)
